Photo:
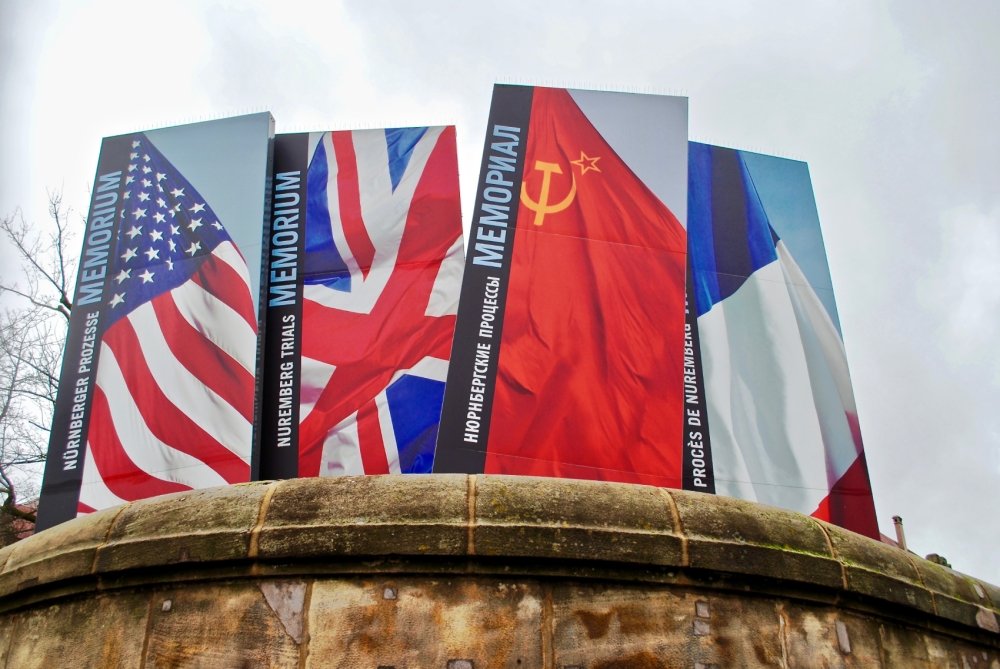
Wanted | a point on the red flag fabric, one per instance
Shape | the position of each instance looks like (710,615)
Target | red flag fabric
(590,366)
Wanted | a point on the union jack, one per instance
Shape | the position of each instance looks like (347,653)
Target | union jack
(382,275)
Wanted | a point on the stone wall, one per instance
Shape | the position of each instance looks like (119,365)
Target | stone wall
(456,572)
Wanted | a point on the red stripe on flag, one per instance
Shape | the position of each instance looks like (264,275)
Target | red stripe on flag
(349,197)
(206,361)
(83,508)
(162,417)
(221,280)
(850,502)
(119,473)
(370,438)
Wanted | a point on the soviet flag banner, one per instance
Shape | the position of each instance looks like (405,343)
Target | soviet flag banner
(777,421)
(568,349)
(158,387)
(364,271)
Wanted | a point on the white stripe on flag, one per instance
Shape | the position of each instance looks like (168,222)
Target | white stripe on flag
(229,254)
(333,204)
(93,492)
(217,322)
(448,283)
(314,375)
(342,450)
(388,432)
(428,367)
(827,361)
(766,436)
(188,393)
(148,453)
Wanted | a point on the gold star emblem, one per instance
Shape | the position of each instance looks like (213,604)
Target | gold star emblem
(587,163)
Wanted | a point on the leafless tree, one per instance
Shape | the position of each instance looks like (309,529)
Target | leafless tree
(33,322)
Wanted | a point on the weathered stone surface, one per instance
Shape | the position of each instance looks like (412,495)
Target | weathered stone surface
(765,542)
(732,617)
(992,595)
(459,572)
(538,518)
(879,570)
(59,554)
(100,631)
(604,626)
(361,516)
(427,623)
(201,526)
(5,555)
(826,637)
(7,625)
(218,625)
(903,647)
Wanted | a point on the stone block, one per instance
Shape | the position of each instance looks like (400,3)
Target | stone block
(210,525)
(730,535)
(365,516)
(62,552)
(573,520)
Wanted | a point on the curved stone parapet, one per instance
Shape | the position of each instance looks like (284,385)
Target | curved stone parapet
(468,572)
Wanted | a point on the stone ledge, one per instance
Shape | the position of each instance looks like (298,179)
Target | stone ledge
(627,532)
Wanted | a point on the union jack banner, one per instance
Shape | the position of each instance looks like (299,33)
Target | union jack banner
(379,273)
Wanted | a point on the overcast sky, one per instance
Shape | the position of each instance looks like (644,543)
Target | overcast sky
(894,105)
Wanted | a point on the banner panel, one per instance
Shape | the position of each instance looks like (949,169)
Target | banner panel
(365,273)
(158,390)
(568,353)
(772,367)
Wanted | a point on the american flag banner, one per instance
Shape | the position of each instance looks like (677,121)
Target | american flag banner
(158,387)
(378,280)
(173,404)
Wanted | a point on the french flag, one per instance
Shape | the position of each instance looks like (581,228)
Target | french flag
(781,409)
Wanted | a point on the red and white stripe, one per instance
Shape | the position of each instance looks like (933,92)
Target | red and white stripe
(173,402)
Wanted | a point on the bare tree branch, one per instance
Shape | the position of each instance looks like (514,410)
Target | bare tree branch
(32,337)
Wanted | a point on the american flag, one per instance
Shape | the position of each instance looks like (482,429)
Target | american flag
(383,271)
(172,408)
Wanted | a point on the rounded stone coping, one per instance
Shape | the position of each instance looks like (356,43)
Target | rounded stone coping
(465,523)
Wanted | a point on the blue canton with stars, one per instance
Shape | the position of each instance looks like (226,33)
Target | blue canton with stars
(165,232)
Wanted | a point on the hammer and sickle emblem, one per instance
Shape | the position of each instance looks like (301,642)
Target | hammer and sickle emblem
(542,206)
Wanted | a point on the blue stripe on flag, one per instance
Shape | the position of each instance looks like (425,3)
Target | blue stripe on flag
(400,143)
(323,262)
(415,408)
(729,236)
(760,237)
(701,248)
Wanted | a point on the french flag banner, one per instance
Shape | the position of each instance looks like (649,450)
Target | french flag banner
(158,388)
(770,412)
(364,272)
